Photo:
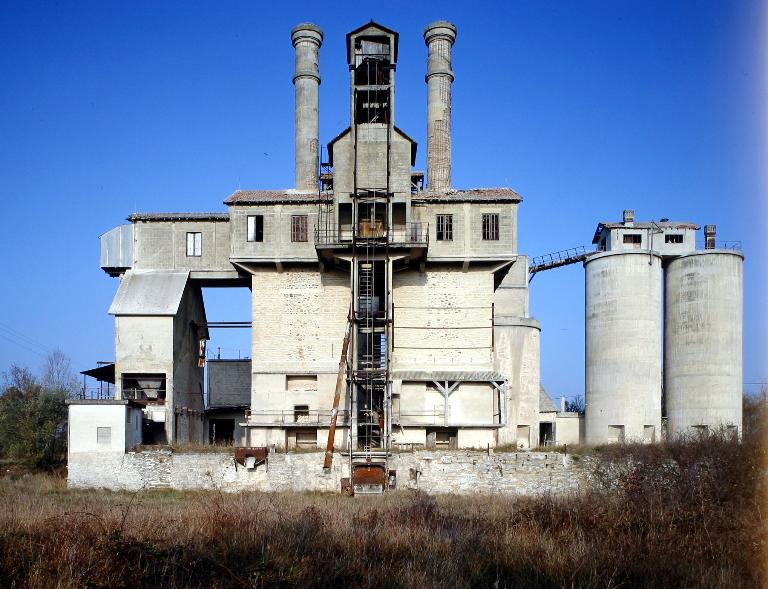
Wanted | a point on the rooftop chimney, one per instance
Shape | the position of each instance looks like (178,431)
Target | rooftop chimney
(439,37)
(306,39)
(709,236)
(629,217)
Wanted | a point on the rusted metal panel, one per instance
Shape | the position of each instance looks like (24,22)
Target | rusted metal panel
(260,453)
(369,474)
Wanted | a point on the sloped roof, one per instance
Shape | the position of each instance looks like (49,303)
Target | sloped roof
(470,195)
(398,130)
(149,292)
(453,375)
(642,225)
(224,216)
(247,197)
(372,25)
(545,402)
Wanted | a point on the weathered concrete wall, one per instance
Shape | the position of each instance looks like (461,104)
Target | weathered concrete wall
(188,376)
(703,341)
(435,472)
(468,239)
(517,354)
(162,245)
(623,346)
(277,244)
(430,306)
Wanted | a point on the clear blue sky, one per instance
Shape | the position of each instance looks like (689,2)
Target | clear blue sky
(586,108)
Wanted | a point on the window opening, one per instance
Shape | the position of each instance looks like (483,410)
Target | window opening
(444,227)
(194,244)
(255,228)
(298,228)
(633,239)
(490,226)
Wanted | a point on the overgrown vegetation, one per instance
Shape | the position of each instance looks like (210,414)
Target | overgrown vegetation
(33,414)
(683,514)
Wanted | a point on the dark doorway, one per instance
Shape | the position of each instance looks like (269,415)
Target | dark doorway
(153,433)
(546,433)
(221,431)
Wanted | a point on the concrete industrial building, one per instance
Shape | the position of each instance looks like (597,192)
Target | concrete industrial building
(648,289)
(387,314)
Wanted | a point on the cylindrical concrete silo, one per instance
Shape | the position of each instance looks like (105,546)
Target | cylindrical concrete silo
(703,341)
(623,347)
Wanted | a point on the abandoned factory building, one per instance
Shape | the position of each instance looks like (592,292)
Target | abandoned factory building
(390,309)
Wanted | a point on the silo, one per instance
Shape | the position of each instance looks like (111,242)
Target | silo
(702,341)
(623,347)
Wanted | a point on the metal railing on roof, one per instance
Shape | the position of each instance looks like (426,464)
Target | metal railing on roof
(720,245)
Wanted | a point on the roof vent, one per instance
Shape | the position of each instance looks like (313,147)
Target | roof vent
(629,216)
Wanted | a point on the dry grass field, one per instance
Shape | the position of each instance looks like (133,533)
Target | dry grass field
(687,514)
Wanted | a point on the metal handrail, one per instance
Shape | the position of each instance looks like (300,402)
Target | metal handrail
(409,233)
(137,394)
(296,417)
(721,245)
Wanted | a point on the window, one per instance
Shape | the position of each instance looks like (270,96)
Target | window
(103,436)
(445,228)
(301,413)
(194,244)
(255,228)
(298,228)
(673,238)
(633,239)
(490,226)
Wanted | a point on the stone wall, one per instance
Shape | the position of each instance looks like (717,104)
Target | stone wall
(470,472)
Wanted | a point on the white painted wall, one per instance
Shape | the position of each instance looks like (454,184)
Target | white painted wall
(85,419)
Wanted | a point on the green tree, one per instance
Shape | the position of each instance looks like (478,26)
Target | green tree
(33,413)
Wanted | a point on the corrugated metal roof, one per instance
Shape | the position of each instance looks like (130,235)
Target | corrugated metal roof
(149,293)
(178,217)
(473,375)
(247,197)
(470,195)
(545,402)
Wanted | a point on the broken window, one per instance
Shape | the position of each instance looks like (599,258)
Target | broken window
(371,106)
(104,436)
(255,227)
(194,244)
(301,413)
(673,238)
(298,228)
(633,239)
(444,227)
(490,226)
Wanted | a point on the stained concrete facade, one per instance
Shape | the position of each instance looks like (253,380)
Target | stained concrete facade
(461,352)
(662,316)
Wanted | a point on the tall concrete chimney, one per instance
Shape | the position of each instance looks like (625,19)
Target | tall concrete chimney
(439,37)
(306,39)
